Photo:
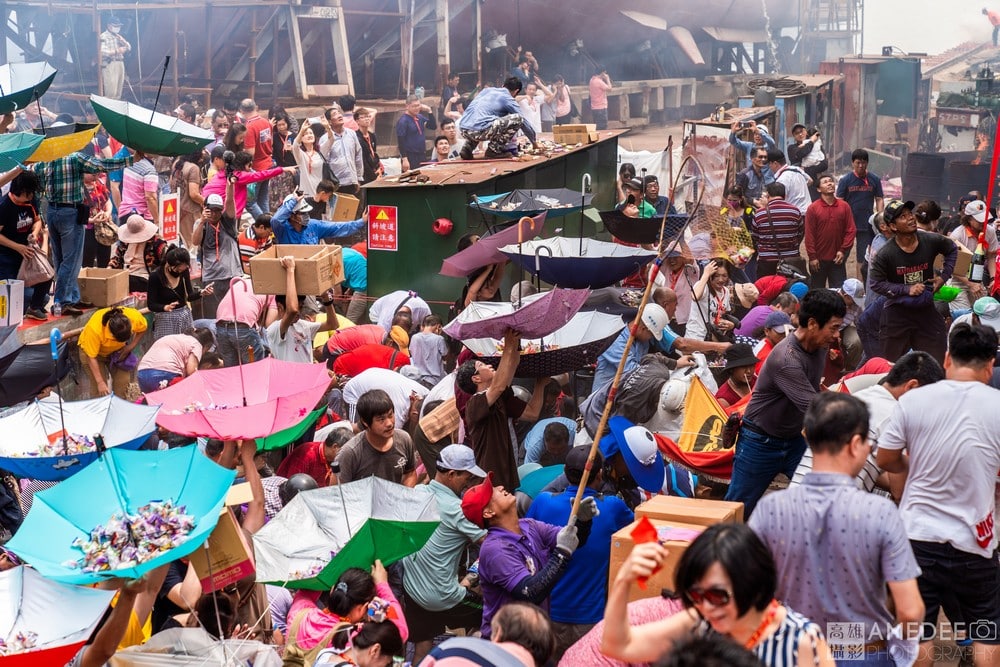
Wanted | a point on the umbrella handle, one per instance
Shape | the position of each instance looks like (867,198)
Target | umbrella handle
(584,184)
(55,337)
(163,75)
(538,260)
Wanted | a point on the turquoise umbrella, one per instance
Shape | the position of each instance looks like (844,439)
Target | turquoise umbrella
(148,131)
(17,147)
(118,481)
(23,83)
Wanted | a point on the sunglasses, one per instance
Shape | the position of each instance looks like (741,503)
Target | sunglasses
(717,597)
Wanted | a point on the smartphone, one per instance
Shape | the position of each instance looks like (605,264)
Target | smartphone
(745,123)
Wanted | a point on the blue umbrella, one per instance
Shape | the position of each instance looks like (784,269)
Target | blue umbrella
(17,147)
(518,203)
(120,480)
(578,263)
(10,345)
(122,424)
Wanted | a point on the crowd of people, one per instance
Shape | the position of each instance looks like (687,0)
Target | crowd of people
(879,496)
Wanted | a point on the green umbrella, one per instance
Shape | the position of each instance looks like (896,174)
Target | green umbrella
(17,147)
(323,532)
(290,434)
(148,131)
(23,83)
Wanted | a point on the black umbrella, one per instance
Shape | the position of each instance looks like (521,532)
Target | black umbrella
(32,371)
(642,230)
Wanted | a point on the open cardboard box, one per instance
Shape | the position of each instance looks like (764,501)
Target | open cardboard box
(317,269)
(103,287)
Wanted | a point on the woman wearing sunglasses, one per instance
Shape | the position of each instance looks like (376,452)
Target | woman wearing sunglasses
(726,580)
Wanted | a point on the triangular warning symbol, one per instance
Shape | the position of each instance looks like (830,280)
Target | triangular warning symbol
(382,215)
(170,207)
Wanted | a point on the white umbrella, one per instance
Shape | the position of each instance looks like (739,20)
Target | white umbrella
(61,617)
(323,532)
(194,646)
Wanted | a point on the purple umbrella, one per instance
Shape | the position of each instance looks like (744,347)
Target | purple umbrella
(538,315)
(484,252)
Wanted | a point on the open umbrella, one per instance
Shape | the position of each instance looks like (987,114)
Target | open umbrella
(291,434)
(642,230)
(23,83)
(120,481)
(122,424)
(149,131)
(517,203)
(578,263)
(485,251)
(536,316)
(58,617)
(10,346)
(31,371)
(570,348)
(61,140)
(323,532)
(177,647)
(16,148)
(242,402)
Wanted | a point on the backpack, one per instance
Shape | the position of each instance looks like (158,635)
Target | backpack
(298,657)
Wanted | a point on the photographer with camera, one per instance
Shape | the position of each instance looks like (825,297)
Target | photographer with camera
(710,307)
(215,234)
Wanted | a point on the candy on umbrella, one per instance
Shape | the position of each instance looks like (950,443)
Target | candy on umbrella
(127,540)
(24,640)
(65,444)
(312,570)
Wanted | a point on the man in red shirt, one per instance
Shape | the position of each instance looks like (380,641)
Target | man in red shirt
(994,17)
(314,458)
(829,236)
(258,142)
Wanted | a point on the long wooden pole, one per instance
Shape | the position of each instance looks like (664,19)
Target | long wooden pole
(606,414)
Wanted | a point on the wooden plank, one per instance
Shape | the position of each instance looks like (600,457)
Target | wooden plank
(298,63)
(342,50)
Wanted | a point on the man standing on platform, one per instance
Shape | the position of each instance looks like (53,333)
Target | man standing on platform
(600,84)
(113,50)
(411,132)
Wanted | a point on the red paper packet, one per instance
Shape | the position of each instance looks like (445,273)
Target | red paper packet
(644,532)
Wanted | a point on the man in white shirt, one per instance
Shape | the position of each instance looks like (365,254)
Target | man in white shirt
(342,150)
(951,433)
(531,106)
(795,180)
(290,337)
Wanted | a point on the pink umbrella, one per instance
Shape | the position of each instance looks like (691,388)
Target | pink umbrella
(251,401)
(537,315)
(485,252)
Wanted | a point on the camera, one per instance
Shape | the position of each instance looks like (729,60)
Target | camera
(228,157)
(746,124)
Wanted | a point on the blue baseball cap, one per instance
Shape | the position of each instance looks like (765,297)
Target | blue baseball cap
(638,448)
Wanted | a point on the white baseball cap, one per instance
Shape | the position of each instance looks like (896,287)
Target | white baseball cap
(988,310)
(977,210)
(459,457)
(853,288)
(655,318)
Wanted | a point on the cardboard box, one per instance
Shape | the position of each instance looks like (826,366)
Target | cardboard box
(103,287)
(691,510)
(317,269)
(621,547)
(581,133)
(343,207)
(11,302)
(227,552)
(962,263)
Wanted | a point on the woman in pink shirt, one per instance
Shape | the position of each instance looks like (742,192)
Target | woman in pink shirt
(311,626)
(241,163)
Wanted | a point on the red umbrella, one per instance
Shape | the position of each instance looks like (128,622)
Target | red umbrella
(242,402)
(537,316)
(485,251)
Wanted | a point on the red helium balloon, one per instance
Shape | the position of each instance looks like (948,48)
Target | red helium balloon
(443,226)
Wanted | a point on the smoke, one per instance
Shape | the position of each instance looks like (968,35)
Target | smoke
(925,26)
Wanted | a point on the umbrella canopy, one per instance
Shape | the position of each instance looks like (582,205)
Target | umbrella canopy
(31,371)
(16,148)
(195,647)
(62,616)
(120,481)
(570,348)
(323,532)
(291,434)
(537,315)
(485,251)
(148,131)
(578,263)
(556,202)
(62,140)
(23,83)
(278,395)
(122,424)
(10,344)
(642,230)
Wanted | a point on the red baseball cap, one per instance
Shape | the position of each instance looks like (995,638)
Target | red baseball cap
(476,499)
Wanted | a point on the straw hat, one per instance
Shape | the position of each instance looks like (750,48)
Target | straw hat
(137,230)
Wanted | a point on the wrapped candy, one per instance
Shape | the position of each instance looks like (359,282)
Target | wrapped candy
(312,570)
(24,640)
(65,444)
(129,539)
